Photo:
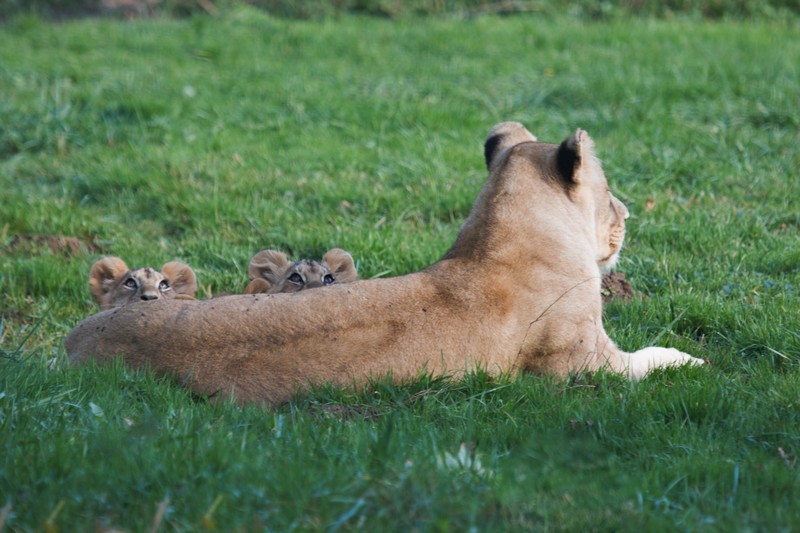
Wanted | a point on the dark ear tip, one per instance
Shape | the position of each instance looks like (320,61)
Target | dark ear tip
(567,158)
(490,148)
(504,135)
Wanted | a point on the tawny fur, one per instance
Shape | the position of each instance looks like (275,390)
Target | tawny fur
(519,290)
(113,284)
(271,272)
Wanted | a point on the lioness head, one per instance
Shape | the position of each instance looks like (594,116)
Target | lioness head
(113,284)
(575,169)
(271,272)
(575,158)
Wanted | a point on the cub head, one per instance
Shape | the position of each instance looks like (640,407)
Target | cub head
(113,284)
(271,272)
(573,167)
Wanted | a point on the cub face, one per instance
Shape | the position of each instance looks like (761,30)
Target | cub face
(271,272)
(113,284)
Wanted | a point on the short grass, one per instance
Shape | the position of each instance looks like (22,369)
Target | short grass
(206,140)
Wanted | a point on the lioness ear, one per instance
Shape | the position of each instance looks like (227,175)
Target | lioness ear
(572,153)
(181,277)
(341,264)
(502,136)
(103,274)
(269,265)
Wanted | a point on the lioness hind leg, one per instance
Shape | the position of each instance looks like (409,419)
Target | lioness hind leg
(643,361)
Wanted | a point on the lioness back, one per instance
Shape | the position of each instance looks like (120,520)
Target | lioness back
(113,284)
(272,272)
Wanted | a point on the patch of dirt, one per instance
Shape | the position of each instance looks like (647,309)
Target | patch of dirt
(15,315)
(32,243)
(616,287)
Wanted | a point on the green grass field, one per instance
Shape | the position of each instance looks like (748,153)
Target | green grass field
(206,140)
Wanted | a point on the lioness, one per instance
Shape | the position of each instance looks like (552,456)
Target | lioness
(271,272)
(518,290)
(113,284)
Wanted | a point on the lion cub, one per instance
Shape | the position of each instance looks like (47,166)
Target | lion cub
(113,284)
(271,272)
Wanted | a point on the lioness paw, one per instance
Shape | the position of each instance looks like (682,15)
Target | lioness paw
(647,359)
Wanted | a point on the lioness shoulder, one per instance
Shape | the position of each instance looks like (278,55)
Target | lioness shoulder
(113,284)
(271,272)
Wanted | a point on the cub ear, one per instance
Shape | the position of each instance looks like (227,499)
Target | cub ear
(181,277)
(103,274)
(572,154)
(258,286)
(269,265)
(341,264)
(502,136)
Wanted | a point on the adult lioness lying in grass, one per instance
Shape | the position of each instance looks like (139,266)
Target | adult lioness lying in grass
(519,290)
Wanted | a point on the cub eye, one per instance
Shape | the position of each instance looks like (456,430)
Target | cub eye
(130,283)
(327,279)
(163,286)
(296,278)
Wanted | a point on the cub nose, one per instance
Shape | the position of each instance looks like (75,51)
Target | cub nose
(149,296)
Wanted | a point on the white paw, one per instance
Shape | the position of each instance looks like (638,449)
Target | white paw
(647,359)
